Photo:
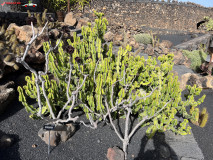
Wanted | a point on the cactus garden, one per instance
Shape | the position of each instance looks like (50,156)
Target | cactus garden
(89,82)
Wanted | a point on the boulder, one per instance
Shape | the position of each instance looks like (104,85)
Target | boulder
(61,133)
(179,58)
(133,43)
(109,36)
(200,81)
(70,19)
(118,37)
(55,33)
(24,33)
(149,50)
(115,154)
(7,94)
(82,22)
(35,57)
(166,44)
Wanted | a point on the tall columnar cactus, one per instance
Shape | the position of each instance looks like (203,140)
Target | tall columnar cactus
(91,77)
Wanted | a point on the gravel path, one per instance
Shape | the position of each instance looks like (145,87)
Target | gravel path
(86,143)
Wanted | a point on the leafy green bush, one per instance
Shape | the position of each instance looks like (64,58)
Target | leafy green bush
(197,57)
(104,85)
(209,23)
(144,38)
(57,5)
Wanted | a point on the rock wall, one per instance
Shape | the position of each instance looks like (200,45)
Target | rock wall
(152,15)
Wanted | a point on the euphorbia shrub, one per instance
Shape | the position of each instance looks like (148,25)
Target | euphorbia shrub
(91,77)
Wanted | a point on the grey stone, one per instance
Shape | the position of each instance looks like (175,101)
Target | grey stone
(6,141)
(181,70)
(187,158)
(184,146)
(6,95)
(164,151)
(194,36)
(61,133)
(194,42)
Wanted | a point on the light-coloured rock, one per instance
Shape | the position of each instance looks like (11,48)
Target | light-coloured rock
(115,154)
(7,94)
(179,58)
(61,133)
(55,32)
(109,36)
(70,19)
(118,37)
(136,46)
(149,50)
(166,44)
(82,22)
(6,141)
(24,33)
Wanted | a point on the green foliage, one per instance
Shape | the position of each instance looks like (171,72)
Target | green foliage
(197,57)
(57,5)
(209,23)
(59,67)
(81,3)
(143,38)
(136,76)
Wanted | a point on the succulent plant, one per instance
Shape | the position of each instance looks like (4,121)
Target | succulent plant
(41,20)
(10,47)
(200,118)
(121,82)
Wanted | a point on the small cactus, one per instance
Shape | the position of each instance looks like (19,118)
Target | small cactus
(203,118)
(200,118)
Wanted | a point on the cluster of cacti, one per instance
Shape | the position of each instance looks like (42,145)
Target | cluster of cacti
(200,118)
(144,38)
(41,20)
(10,47)
(114,82)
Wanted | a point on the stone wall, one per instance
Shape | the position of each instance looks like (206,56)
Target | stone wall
(154,15)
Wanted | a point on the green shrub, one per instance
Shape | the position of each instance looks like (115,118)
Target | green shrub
(144,38)
(56,5)
(209,23)
(120,85)
(197,57)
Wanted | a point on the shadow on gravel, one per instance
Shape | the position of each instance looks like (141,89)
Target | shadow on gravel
(11,109)
(162,149)
(10,153)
